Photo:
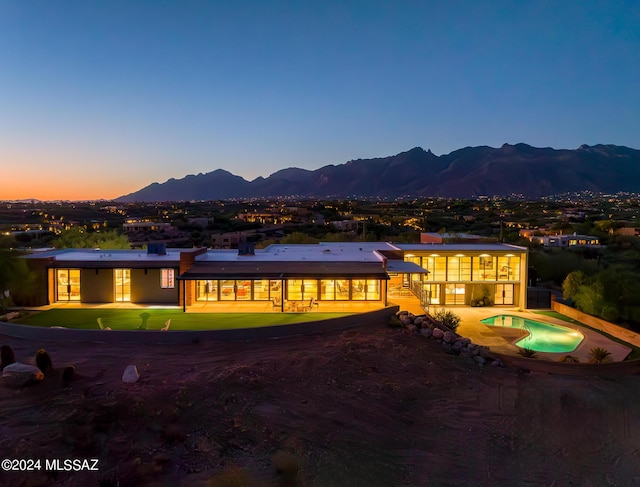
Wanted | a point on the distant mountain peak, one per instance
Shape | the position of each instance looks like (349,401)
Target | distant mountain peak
(483,170)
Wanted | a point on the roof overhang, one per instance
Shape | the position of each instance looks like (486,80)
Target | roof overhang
(395,266)
(285,270)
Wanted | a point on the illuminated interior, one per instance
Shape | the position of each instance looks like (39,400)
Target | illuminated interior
(122,280)
(68,284)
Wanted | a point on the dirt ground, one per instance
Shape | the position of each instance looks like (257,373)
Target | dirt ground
(366,407)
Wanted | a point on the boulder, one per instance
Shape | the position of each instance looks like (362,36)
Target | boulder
(479,360)
(19,374)
(412,328)
(426,332)
(406,320)
(418,321)
(450,337)
(437,333)
(130,374)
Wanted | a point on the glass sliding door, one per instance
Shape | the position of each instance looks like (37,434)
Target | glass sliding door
(504,294)
(68,284)
(122,280)
(454,293)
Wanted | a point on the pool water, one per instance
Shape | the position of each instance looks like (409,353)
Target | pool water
(542,337)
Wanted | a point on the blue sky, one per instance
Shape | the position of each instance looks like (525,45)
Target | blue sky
(98,99)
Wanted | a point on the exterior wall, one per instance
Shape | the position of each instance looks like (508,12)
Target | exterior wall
(475,278)
(187,290)
(96,285)
(430,238)
(146,288)
(598,323)
(39,296)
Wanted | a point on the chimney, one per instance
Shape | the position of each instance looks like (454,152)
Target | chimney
(157,249)
(246,248)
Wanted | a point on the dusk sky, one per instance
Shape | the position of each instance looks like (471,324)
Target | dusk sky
(99,99)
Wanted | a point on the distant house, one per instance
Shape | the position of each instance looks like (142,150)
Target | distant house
(144,226)
(565,240)
(441,238)
(345,225)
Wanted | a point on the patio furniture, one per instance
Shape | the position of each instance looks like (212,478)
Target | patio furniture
(310,305)
(101,325)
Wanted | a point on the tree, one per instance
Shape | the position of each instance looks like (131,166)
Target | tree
(80,238)
(571,284)
(16,279)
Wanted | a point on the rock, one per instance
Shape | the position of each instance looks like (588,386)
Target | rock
(479,360)
(426,332)
(457,345)
(465,341)
(412,328)
(437,333)
(43,361)
(406,320)
(7,357)
(401,313)
(418,321)
(130,374)
(450,337)
(20,374)
(498,363)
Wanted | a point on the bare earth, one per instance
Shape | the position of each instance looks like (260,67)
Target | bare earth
(366,407)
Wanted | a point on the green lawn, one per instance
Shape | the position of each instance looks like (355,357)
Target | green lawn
(119,319)
(635,351)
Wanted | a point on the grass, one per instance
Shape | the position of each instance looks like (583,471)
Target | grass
(129,319)
(635,351)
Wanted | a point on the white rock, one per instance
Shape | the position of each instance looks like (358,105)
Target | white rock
(130,374)
(20,373)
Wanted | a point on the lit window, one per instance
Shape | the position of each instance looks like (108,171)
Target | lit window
(166,279)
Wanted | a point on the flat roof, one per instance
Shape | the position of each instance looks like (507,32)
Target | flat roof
(322,252)
(461,247)
(86,256)
(252,269)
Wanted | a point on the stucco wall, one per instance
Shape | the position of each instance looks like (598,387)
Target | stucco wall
(96,285)
(145,288)
(600,324)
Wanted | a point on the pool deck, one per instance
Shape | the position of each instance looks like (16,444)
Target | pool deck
(501,340)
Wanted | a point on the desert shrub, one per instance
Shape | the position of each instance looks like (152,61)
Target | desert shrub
(394,322)
(447,318)
(599,355)
(527,352)
(570,359)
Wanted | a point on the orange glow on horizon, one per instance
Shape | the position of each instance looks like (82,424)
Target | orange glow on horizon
(65,189)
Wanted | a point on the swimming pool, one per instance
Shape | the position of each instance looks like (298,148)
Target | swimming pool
(542,337)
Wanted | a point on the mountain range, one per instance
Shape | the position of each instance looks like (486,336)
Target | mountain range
(465,173)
